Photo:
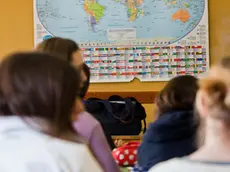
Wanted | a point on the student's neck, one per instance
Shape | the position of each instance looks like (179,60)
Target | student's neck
(216,146)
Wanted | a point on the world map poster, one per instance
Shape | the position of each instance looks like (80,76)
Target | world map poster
(152,40)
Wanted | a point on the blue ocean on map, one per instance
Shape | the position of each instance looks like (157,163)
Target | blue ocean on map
(152,19)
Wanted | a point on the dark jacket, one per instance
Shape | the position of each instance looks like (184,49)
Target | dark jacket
(172,135)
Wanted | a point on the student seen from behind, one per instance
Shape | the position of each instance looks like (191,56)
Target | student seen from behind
(38,95)
(173,133)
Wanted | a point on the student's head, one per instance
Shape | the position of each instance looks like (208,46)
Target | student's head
(39,86)
(213,99)
(86,83)
(178,94)
(65,49)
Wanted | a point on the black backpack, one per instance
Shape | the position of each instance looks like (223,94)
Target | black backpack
(117,115)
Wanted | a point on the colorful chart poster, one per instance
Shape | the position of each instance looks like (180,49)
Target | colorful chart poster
(153,40)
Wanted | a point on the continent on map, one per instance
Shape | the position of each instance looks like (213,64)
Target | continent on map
(95,11)
(134,10)
(182,15)
(170,2)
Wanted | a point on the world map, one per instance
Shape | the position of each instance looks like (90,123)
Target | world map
(113,21)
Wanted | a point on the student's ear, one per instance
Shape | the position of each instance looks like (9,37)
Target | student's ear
(77,109)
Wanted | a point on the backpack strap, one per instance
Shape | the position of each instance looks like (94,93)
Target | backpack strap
(107,106)
(127,113)
(142,111)
(129,109)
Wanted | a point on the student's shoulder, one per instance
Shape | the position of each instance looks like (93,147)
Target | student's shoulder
(86,116)
(75,155)
(67,147)
(174,165)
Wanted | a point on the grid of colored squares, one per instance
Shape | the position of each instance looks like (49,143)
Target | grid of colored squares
(152,62)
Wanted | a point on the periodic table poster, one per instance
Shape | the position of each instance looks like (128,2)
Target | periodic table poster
(126,39)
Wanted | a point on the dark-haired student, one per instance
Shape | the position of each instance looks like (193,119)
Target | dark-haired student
(173,133)
(83,92)
(86,125)
(37,99)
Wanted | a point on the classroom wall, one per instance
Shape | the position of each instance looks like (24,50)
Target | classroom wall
(16,33)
